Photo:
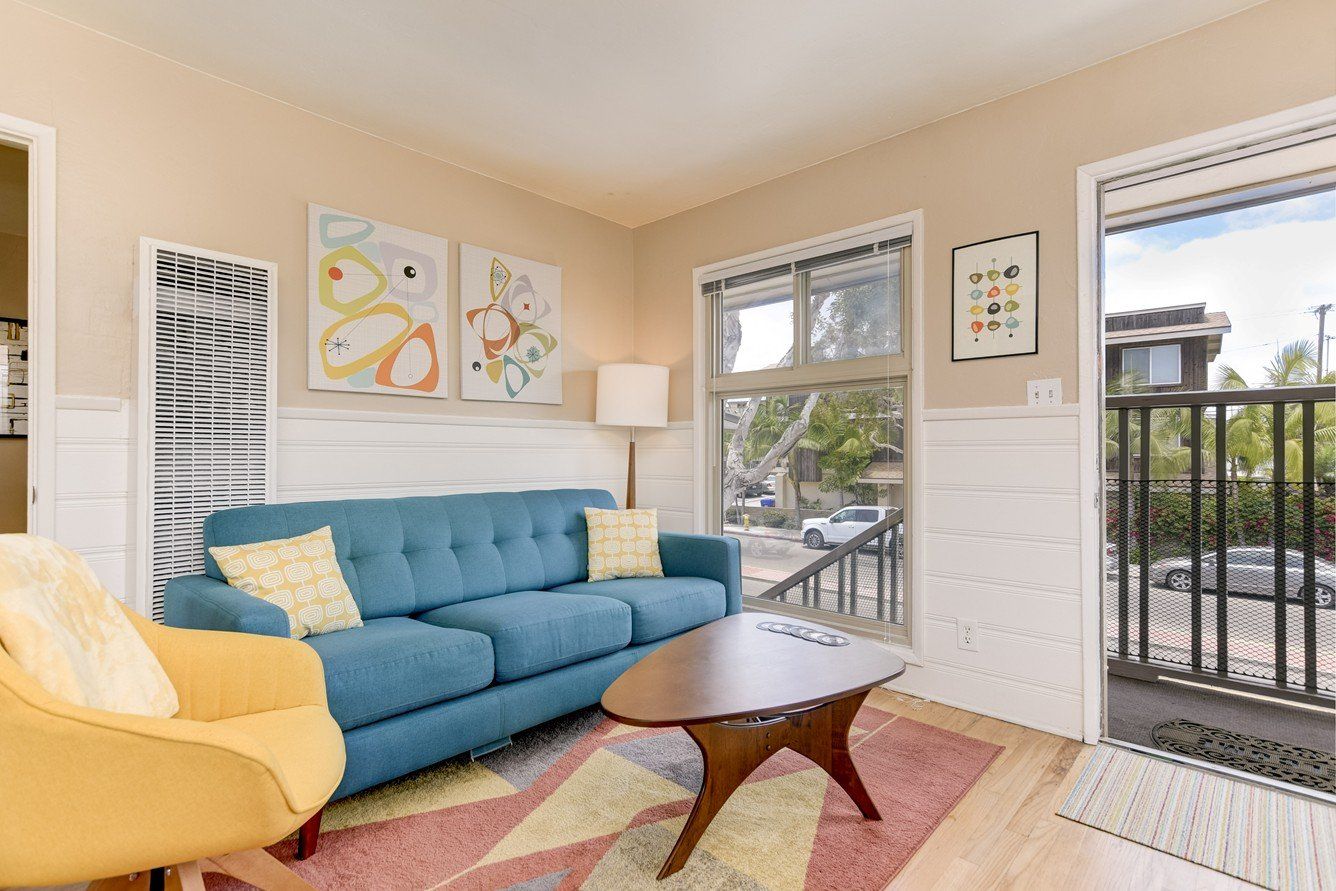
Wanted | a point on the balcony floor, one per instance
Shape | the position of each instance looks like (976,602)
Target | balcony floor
(1136,706)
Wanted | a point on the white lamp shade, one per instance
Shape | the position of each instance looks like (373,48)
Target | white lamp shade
(632,395)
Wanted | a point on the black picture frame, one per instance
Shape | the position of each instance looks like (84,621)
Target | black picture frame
(24,323)
(951,302)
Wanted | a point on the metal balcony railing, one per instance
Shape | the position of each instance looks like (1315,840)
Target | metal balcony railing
(862,577)
(1225,572)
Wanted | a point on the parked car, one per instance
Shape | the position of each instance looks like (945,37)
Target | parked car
(764,487)
(842,525)
(1250,571)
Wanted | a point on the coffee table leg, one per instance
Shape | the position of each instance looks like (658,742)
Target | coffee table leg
(732,751)
(823,736)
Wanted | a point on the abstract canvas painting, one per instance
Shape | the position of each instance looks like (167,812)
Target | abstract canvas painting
(376,306)
(510,327)
(995,298)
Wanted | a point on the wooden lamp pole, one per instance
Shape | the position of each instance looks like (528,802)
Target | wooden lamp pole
(631,471)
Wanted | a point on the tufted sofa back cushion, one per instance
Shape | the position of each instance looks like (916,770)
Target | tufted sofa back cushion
(402,556)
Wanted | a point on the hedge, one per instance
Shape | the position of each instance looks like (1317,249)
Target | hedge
(1248,517)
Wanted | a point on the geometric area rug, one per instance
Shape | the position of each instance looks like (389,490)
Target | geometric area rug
(1261,835)
(586,802)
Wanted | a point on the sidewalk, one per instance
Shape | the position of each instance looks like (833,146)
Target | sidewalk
(757,531)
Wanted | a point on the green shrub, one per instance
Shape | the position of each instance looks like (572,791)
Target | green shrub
(1249,517)
(775,518)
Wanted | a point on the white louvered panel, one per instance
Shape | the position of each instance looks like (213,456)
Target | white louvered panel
(208,380)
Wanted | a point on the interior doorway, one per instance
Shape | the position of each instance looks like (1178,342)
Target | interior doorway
(1218,294)
(15,315)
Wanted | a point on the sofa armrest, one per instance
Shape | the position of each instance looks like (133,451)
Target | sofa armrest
(198,601)
(717,557)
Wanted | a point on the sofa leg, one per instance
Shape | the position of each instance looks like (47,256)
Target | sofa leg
(308,835)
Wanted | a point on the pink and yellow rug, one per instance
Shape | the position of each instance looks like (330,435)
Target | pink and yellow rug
(585,802)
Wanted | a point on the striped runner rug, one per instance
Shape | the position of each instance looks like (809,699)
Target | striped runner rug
(1256,834)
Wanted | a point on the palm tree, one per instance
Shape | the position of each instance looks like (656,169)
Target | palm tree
(846,430)
(774,416)
(1250,434)
(1169,430)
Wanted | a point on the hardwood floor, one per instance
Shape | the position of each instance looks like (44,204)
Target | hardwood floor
(1005,832)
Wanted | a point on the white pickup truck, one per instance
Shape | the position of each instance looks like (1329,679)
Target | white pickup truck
(842,525)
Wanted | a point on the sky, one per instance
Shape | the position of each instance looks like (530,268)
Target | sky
(767,334)
(1266,266)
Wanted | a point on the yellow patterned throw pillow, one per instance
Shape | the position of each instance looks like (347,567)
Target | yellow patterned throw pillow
(623,544)
(299,574)
(71,636)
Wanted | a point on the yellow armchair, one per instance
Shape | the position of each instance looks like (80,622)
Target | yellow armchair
(252,755)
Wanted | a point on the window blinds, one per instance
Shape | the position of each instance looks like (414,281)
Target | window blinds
(799,263)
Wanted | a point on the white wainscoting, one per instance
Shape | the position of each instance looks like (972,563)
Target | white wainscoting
(664,477)
(325,455)
(94,508)
(331,454)
(1002,547)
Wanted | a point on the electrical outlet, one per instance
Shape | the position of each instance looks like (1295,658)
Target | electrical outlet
(967,635)
(1044,392)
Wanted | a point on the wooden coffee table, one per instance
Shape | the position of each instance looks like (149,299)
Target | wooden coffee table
(744,693)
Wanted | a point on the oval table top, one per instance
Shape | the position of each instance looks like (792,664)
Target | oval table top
(731,669)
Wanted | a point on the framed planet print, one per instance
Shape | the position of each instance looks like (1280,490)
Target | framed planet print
(995,298)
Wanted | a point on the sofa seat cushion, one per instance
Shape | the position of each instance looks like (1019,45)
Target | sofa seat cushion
(660,607)
(537,631)
(394,665)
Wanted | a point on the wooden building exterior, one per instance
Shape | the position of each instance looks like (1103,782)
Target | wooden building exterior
(1168,347)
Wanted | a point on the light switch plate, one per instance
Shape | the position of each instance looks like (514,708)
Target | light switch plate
(1044,392)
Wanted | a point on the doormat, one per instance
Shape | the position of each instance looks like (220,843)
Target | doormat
(1265,757)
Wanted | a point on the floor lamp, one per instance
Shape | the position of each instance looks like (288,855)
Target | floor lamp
(632,396)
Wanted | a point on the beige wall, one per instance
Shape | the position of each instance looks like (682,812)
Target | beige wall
(1002,168)
(147,147)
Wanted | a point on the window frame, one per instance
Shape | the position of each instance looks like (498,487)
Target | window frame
(1150,362)
(904,370)
(802,373)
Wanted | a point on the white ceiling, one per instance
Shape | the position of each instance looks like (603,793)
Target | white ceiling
(637,109)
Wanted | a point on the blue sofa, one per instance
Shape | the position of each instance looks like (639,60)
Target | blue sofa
(479,621)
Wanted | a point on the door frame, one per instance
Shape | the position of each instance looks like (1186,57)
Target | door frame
(1090,336)
(39,140)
